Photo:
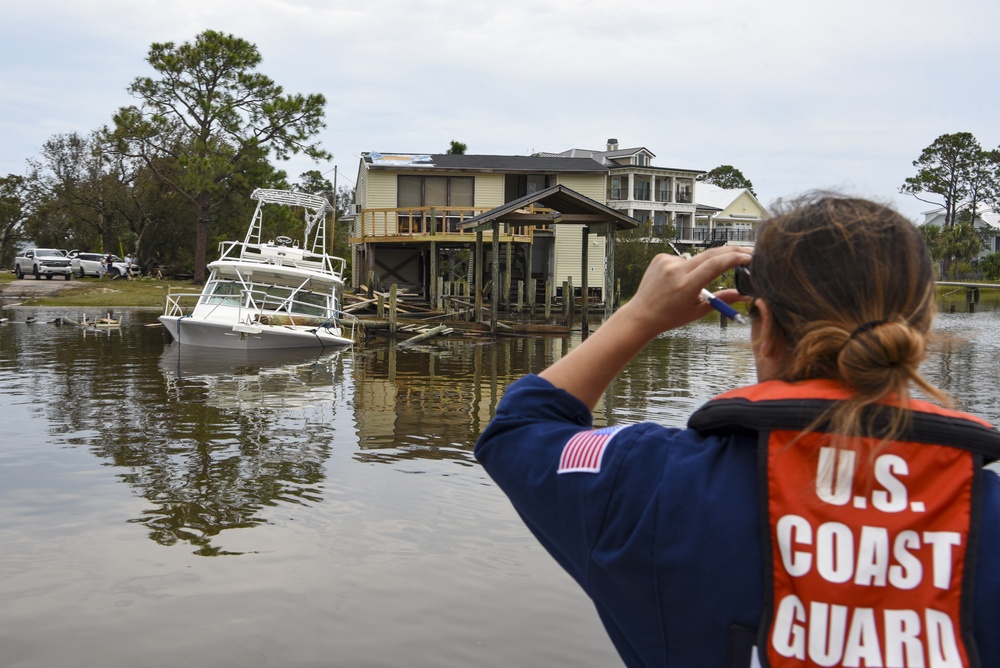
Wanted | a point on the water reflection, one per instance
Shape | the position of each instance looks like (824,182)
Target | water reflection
(431,402)
(245,380)
(375,538)
(210,439)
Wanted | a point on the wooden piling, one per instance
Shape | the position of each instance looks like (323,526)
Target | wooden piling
(392,310)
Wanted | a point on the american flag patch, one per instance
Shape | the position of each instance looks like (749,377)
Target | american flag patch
(583,453)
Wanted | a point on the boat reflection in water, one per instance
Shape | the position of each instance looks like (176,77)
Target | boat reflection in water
(284,378)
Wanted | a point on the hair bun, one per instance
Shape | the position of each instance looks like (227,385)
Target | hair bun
(878,354)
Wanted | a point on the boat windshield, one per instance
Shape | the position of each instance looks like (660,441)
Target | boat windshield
(268,298)
(223,292)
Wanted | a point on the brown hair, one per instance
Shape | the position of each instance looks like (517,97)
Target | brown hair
(850,287)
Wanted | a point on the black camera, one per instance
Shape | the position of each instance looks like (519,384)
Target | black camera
(744,283)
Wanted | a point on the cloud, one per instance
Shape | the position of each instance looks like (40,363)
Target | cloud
(797,95)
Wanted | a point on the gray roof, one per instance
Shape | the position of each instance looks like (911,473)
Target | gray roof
(606,158)
(590,153)
(560,199)
(481,163)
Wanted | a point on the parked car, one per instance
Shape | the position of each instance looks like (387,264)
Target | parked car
(47,262)
(89,264)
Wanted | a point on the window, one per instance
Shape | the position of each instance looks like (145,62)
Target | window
(416,191)
(663,190)
(616,188)
(642,188)
(684,192)
(519,185)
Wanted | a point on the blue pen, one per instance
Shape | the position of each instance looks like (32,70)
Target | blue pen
(722,307)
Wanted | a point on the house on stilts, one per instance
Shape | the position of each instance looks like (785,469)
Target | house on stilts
(424,220)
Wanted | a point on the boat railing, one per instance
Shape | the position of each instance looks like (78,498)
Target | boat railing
(283,256)
(173,305)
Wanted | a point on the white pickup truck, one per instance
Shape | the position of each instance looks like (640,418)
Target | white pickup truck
(47,262)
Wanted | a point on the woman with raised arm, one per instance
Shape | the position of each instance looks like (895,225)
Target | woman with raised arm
(821,517)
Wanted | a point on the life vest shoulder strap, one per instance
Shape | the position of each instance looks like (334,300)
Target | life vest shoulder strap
(777,405)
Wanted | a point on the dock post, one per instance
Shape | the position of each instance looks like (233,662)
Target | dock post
(495,281)
(571,303)
(392,310)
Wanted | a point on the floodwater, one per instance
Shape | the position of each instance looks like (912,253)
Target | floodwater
(161,507)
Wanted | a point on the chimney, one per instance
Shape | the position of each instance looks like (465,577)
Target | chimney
(612,144)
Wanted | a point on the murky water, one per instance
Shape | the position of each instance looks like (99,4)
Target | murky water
(161,507)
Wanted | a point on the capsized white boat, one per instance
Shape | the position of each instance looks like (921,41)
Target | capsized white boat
(263,295)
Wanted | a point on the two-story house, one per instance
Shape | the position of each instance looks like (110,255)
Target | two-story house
(662,197)
(410,209)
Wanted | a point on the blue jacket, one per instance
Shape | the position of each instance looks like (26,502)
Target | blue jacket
(661,526)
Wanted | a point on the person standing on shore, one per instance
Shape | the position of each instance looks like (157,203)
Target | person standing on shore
(822,517)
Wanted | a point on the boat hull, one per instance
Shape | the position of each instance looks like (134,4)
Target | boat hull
(205,333)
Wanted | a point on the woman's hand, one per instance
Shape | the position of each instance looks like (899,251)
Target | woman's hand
(669,294)
(668,297)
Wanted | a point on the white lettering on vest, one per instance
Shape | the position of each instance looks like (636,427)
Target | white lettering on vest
(893,498)
(942,648)
(834,635)
(907,572)
(835,475)
(902,639)
(788,637)
(827,625)
(873,557)
(837,562)
(942,542)
(862,641)
(789,527)
(834,551)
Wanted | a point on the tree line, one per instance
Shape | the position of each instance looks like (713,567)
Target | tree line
(177,165)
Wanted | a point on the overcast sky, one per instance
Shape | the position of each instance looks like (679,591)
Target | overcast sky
(798,94)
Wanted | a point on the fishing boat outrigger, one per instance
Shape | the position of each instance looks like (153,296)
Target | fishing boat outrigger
(264,295)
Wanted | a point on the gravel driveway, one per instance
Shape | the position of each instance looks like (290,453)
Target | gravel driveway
(27,288)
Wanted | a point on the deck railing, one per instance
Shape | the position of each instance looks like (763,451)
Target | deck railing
(423,222)
(703,234)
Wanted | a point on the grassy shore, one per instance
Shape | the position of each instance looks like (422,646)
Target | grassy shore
(105,292)
(147,292)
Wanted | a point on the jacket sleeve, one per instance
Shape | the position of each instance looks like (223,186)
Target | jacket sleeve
(559,474)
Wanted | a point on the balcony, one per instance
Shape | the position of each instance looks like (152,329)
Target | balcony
(442,223)
(703,235)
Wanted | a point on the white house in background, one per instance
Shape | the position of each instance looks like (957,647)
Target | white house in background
(726,216)
(987,222)
(662,196)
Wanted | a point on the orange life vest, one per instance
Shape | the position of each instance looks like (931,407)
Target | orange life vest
(871,546)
